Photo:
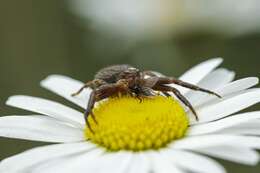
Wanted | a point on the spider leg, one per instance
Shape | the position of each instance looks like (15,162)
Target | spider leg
(86,85)
(88,111)
(139,98)
(178,94)
(110,89)
(91,84)
(166,94)
(169,80)
(143,92)
(101,93)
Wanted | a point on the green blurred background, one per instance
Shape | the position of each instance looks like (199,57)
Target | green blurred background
(38,38)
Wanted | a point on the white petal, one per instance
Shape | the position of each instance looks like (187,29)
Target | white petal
(217,78)
(46,165)
(236,86)
(106,163)
(212,81)
(246,141)
(193,162)
(248,128)
(38,128)
(71,164)
(216,140)
(114,162)
(124,164)
(65,86)
(38,155)
(198,72)
(200,142)
(93,162)
(160,164)
(223,123)
(139,164)
(232,153)
(47,107)
(227,106)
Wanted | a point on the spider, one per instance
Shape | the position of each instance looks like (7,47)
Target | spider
(126,79)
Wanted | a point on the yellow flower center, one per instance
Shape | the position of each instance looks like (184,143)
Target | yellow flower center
(125,123)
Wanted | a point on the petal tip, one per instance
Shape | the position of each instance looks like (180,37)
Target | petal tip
(256,79)
(218,60)
(50,78)
(10,99)
(14,99)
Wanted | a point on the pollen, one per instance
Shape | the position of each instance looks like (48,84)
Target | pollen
(127,123)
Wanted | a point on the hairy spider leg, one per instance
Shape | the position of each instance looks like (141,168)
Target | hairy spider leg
(101,93)
(86,85)
(88,111)
(93,85)
(170,80)
(90,84)
(166,94)
(178,94)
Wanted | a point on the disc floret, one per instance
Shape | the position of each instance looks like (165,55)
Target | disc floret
(125,123)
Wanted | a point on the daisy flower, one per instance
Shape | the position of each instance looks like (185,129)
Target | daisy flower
(157,135)
(161,18)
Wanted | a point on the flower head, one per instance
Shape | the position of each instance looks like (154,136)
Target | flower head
(157,134)
(153,18)
(126,124)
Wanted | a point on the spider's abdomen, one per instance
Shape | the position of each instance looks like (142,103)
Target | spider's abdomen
(110,74)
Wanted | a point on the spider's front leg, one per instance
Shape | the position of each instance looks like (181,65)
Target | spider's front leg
(170,80)
(104,91)
(90,84)
(178,94)
(88,111)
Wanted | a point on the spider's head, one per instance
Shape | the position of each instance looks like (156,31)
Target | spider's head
(132,75)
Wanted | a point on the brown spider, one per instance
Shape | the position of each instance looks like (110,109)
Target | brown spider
(126,79)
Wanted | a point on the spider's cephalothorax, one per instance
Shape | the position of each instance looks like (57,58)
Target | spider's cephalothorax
(126,79)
